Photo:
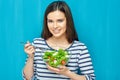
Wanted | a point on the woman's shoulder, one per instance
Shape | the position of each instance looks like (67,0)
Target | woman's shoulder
(79,43)
(38,40)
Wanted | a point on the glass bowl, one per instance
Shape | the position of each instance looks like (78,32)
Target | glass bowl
(56,58)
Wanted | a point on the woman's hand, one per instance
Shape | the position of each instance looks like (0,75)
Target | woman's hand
(61,70)
(29,49)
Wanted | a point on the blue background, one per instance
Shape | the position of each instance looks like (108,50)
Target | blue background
(97,23)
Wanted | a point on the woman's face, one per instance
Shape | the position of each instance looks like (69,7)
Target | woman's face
(56,22)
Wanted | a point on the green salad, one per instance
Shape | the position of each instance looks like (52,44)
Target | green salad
(56,58)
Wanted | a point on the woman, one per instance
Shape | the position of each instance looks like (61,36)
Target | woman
(58,32)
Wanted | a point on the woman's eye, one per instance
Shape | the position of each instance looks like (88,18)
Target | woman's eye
(60,20)
(50,21)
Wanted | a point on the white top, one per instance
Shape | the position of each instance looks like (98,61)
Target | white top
(79,61)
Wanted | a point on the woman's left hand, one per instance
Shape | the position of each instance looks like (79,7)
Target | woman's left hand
(61,70)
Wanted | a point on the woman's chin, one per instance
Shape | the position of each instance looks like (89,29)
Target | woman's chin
(56,36)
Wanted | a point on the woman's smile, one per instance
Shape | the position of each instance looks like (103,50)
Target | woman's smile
(56,22)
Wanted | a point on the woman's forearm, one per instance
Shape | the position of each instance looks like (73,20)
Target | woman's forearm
(75,76)
(28,69)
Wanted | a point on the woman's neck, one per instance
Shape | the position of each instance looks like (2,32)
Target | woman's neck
(57,43)
(59,39)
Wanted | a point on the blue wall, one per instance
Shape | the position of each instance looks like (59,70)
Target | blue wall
(97,23)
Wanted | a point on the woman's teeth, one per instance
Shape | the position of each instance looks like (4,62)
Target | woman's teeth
(56,31)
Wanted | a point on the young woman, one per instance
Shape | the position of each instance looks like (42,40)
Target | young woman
(58,32)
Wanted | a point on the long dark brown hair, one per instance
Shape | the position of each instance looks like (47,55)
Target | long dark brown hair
(71,34)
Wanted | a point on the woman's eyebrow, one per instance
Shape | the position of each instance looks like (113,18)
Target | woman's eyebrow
(60,19)
(56,19)
(49,20)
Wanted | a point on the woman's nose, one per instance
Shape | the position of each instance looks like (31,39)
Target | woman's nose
(55,25)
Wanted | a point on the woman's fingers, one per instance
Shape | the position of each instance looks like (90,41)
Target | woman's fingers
(56,70)
(32,50)
(27,44)
(29,48)
(60,70)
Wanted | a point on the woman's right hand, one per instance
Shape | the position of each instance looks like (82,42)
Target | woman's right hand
(29,49)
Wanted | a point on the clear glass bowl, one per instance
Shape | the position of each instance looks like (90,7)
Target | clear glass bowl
(56,58)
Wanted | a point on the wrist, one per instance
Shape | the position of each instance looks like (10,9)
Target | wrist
(75,76)
(68,73)
(71,75)
(31,56)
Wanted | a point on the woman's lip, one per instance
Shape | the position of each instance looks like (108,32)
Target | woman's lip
(56,31)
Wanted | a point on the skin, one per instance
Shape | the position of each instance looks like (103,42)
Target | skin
(56,22)
(57,26)
(28,69)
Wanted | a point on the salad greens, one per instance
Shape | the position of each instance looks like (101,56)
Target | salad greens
(56,58)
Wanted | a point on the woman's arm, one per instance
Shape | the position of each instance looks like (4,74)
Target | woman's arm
(75,76)
(65,71)
(85,63)
(85,66)
(28,69)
